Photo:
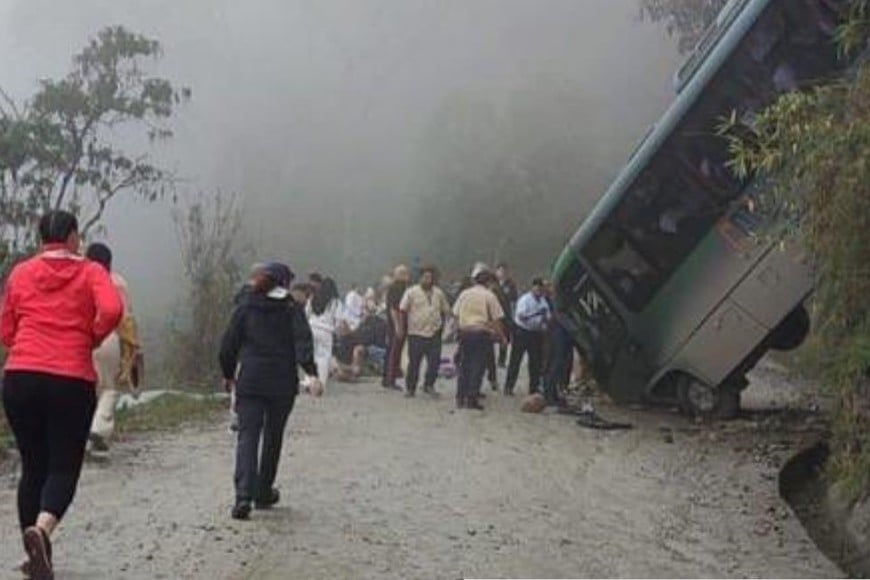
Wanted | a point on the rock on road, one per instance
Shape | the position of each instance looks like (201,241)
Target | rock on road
(378,486)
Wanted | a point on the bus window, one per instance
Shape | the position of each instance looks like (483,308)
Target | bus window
(627,272)
(665,217)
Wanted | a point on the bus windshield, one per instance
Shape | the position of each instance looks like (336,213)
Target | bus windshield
(598,328)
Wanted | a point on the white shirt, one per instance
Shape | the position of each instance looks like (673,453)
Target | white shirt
(533,313)
(328,320)
(354,309)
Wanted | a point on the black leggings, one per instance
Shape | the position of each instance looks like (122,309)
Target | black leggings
(50,417)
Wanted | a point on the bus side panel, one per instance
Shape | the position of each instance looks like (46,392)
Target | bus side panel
(701,283)
(726,338)
(781,281)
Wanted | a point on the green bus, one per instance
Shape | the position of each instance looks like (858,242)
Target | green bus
(666,286)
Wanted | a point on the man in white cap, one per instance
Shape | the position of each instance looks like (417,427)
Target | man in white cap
(479,317)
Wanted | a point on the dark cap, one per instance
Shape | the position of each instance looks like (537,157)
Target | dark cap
(280,273)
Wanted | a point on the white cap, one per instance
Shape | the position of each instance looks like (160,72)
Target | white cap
(479,268)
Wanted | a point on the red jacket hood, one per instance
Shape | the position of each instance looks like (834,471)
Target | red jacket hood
(56,268)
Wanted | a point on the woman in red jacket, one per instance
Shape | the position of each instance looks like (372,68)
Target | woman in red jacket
(57,307)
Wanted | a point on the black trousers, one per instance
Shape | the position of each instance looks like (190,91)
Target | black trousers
(503,348)
(393,361)
(475,353)
(420,347)
(560,359)
(491,372)
(259,417)
(525,342)
(50,417)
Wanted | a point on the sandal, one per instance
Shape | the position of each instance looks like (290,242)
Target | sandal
(38,548)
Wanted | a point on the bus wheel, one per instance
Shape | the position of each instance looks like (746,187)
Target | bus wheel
(791,332)
(697,399)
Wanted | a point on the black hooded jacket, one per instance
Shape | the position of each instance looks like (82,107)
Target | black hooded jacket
(267,338)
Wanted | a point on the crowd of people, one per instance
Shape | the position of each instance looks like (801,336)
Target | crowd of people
(396,327)
(71,342)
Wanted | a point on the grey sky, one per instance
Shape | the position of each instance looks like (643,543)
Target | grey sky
(309,107)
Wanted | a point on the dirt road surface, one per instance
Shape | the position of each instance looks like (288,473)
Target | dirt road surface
(379,486)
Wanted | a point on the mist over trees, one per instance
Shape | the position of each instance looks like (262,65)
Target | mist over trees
(363,134)
(59,149)
(510,179)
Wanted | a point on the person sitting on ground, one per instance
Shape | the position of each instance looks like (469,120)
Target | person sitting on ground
(365,346)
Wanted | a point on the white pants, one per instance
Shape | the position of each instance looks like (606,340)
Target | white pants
(107,360)
(322,353)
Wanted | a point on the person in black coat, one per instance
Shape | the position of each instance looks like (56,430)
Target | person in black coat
(267,338)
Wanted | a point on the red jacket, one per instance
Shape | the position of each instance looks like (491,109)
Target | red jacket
(58,307)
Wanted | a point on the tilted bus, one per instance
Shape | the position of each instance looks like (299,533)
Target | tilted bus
(668,286)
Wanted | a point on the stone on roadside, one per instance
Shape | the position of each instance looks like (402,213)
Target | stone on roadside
(533,404)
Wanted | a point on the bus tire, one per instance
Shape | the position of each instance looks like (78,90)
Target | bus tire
(792,331)
(699,400)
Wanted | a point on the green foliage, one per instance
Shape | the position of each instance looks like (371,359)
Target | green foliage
(685,19)
(56,151)
(814,147)
(213,251)
(168,412)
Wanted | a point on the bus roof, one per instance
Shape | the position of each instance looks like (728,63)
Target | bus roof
(743,15)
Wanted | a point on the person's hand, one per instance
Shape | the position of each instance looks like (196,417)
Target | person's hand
(315,387)
(229,385)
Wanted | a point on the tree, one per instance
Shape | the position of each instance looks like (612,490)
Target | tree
(211,239)
(57,150)
(685,19)
(814,147)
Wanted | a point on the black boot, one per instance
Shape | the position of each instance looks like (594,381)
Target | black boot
(268,499)
(242,510)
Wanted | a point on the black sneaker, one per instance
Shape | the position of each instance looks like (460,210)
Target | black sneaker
(242,510)
(269,500)
(410,394)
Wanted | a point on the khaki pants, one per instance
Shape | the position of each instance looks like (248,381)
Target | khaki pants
(107,360)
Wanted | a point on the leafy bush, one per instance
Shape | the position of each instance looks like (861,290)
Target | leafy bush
(814,146)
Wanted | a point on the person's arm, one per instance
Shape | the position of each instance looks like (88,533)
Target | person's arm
(401,315)
(9,317)
(108,302)
(496,315)
(231,345)
(303,342)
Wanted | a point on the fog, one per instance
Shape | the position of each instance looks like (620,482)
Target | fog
(321,113)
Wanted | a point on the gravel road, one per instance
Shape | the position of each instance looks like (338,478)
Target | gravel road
(379,486)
